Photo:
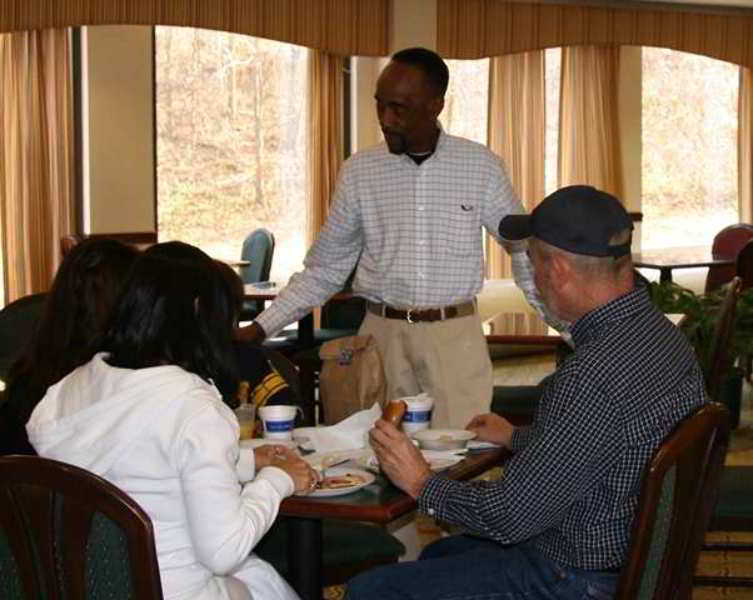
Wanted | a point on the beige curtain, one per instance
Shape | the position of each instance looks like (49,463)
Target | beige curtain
(479,28)
(745,145)
(325,134)
(346,27)
(36,206)
(517,129)
(589,140)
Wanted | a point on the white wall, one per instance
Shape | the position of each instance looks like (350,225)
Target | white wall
(118,108)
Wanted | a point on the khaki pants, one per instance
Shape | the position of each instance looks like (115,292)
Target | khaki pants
(449,360)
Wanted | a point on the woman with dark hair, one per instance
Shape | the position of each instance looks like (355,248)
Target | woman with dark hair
(266,386)
(144,414)
(73,318)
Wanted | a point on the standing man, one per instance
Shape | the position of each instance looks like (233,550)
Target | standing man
(410,213)
(557,524)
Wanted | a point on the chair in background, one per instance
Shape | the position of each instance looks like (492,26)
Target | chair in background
(674,507)
(67,533)
(258,249)
(744,265)
(716,366)
(726,245)
(18,321)
(67,242)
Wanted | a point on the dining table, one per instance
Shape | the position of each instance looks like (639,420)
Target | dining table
(668,259)
(380,502)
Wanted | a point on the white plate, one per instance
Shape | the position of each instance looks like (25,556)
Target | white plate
(479,445)
(367,479)
(443,439)
(436,463)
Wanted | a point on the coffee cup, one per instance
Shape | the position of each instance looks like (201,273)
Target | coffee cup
(278,421)
(246,414)
(417,413)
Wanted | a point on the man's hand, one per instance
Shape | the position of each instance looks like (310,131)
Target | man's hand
(253,334)
(492,428)
(399,459)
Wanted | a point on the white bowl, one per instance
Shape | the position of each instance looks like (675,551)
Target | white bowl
(443,439)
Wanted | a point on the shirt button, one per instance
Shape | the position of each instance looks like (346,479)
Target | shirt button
(420,208)
(431,512)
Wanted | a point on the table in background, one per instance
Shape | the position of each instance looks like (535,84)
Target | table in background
(380,502)
(520,334)
(666,259)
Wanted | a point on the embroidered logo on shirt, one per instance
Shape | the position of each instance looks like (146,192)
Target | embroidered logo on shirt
(466,207)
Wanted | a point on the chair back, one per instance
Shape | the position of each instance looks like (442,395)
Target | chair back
(719,357)
(726,245)
(258,249)
(18,322)
(67,242)
(67,533)
(744,265)
(677,496)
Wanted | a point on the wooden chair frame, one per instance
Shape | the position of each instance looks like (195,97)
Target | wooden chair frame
(38,491)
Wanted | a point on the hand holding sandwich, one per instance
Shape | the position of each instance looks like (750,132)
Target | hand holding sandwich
(398,457)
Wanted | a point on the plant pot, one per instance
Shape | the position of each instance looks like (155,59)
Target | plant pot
(730,394)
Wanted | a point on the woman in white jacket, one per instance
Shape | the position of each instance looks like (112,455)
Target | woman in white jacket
(144,414)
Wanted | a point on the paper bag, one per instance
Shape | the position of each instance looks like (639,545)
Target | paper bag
(352,377)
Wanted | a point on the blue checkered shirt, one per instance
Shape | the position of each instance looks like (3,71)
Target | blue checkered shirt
(571,489)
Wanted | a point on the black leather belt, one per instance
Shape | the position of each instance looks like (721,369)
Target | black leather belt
(422,315)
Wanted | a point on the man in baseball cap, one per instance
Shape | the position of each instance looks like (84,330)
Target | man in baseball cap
(558,522)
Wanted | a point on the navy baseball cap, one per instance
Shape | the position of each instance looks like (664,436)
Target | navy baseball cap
(577,218)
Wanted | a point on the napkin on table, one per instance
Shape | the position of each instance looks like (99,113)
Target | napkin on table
(348,434)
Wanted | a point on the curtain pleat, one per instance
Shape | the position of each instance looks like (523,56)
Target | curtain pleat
(517,130)
(589,140)
(345,27)
(745,145)
(325,134)
(481,28)
(36,183)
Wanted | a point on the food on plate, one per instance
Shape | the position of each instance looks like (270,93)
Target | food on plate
(393,412)
(336,482)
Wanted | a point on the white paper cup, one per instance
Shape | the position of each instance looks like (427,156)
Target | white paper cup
(417,414)
(278,421)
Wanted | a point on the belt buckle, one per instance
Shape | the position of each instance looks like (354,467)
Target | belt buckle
(409,316)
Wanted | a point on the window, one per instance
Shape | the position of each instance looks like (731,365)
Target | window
(689,138)
(466,104)
(231,142)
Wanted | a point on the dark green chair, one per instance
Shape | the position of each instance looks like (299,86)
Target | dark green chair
(258,249)
(677,495)
(348,547)
(18,322)
(67,533)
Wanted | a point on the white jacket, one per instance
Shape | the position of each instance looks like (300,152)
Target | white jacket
(165,437)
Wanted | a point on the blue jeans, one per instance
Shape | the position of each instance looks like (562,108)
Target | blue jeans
(469,568)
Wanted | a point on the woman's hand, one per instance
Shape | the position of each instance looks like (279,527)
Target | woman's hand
(304,477)
(264,455)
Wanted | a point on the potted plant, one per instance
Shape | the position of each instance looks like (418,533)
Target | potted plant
(701,311)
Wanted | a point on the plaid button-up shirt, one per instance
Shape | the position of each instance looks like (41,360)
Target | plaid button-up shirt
(572,487)
(416,228)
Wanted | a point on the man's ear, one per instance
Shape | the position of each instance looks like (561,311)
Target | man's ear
(436,105)
(562,271)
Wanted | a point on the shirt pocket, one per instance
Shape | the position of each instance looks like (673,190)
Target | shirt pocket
(460,232)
